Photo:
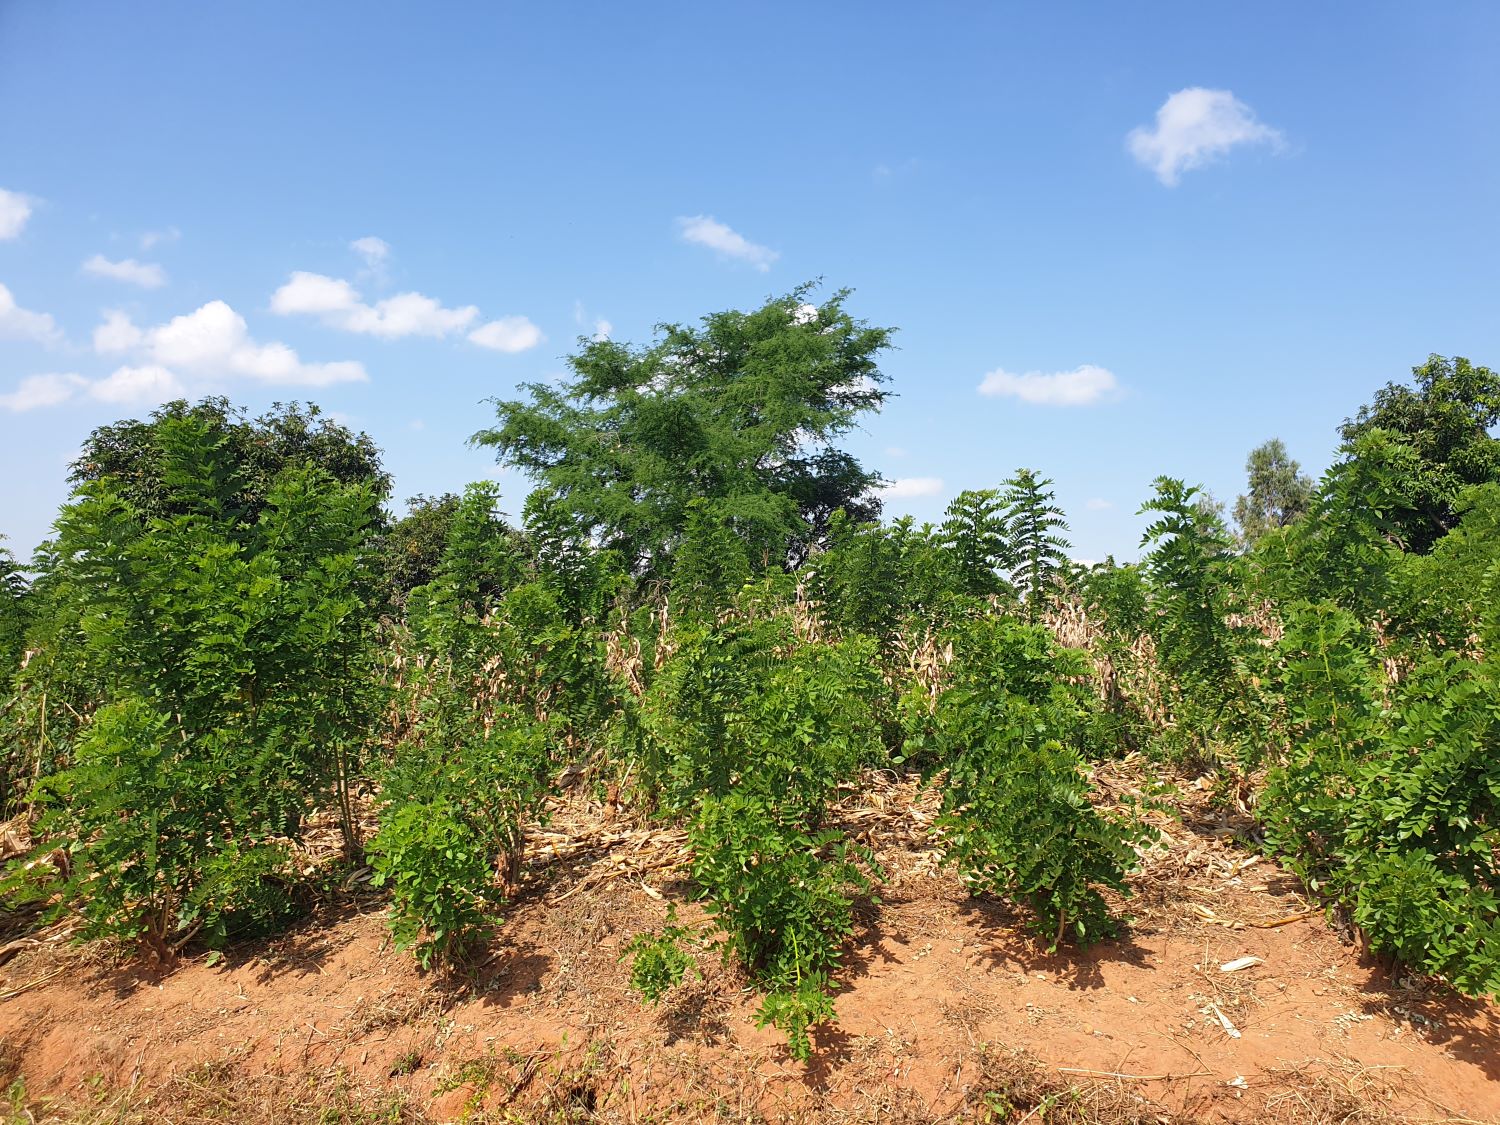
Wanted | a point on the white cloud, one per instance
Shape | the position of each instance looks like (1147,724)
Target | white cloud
(705,230)
(1079,387)
(508,334)
(116,334)
(907,487)
(145,386)
(213,342)
(156,237)
(207,346)
(409,314)
(373,250)
(804,314)
(15,209)
(338,304)
(17,323)
(148,275)
(895,451)
(1193,127)
(1097,504)
(315,294)
(42,390)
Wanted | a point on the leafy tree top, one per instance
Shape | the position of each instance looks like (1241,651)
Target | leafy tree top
(248,455)
(1438,433)
(1035,524)
(740,412)
(1278,491)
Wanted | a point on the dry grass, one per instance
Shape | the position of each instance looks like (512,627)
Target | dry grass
(217,1092)
(592,1084)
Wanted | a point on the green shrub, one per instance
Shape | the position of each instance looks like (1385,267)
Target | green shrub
(1006,735)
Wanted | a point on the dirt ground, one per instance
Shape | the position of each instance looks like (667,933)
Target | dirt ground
(950,1011)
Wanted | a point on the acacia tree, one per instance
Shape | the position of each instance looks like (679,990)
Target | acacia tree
(1437,437)
(740,413)
(1278,493)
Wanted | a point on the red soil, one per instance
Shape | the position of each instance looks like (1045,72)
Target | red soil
(932,977)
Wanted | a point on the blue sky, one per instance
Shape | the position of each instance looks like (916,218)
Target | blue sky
(1157,234)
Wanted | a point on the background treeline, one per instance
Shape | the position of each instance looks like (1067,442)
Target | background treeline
(698,611)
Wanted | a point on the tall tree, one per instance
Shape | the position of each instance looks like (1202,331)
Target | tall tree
(1437,439)
(1278,491)
(741,412)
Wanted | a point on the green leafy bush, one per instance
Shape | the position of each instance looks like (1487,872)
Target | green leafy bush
(231,669)
(1008,730)
(750,727)
(1391,809)
(658,963)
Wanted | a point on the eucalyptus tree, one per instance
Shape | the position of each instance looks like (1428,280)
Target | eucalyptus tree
(1278,492)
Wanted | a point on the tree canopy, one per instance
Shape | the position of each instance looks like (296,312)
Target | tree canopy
(1278,491)
(1436,438)
(738,414)
(253,453)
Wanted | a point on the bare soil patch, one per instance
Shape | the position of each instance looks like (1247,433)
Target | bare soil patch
(950,1012)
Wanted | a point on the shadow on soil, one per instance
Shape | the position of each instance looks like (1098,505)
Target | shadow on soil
(1468,1029)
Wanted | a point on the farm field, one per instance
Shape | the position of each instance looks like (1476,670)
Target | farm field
(702,792)
(757,563)
(950,1012)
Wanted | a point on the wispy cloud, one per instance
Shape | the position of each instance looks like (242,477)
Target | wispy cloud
(1193,127)
(376,254)
(152,238)
(375,251)
(148,275)
(37,391)
(705,230)
(1097,504)
(603,329)
(885,170)
(17,323)
(15,209)
(1082,386)
(907,487)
